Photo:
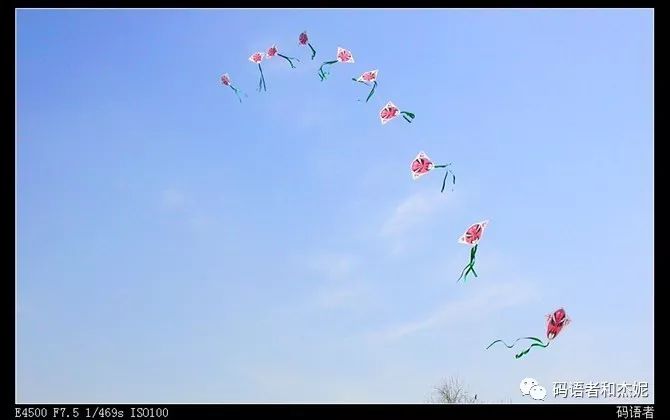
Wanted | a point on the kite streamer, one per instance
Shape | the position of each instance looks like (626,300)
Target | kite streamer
(367,78)
(225,80)
(257,58)
(555,323)
(303,40)
(472,236)
(422,164)
(272,51)
(343,56)
(538,343)
(390,111)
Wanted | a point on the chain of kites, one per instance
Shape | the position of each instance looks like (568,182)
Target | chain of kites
(421,165)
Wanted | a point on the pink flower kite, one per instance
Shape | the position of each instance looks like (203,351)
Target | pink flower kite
(256,58)
(472,236)
(422,164)
(343,56)
(367,78)
(225,80)
(272,51)
(304,40)
(390,111)
(556,321)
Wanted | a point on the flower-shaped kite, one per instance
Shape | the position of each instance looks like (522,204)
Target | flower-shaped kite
(272,51)
(257,58)
(390,111)
(471,237)
(422,164)
(367,78)
(303,40)
(225,80)
(556,321)
(343,56)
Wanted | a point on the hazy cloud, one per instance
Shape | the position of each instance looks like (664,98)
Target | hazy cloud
(333,266)
(413,211)
(173,199)
(484,303)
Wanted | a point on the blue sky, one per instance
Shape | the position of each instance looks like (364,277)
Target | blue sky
(174,245)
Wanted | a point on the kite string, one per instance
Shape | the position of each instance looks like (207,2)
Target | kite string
(313,50)
(289,59)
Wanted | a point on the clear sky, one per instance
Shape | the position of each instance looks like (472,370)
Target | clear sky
(174,245)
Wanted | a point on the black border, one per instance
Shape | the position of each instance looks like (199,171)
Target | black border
(310,411)
(205,411)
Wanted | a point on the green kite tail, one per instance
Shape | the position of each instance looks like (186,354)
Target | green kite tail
(372,92)
(470,268)
(261,82)
(408,116)
(289,59)
(237,93)
(323,74)
(538,343)
(444,181)
(509,346)
(523,353)
(446,175)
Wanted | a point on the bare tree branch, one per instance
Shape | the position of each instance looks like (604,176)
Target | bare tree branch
(453,391)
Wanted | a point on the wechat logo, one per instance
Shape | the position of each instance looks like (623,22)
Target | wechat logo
(531,387)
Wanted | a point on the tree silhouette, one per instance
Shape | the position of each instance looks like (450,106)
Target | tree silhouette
(453,391)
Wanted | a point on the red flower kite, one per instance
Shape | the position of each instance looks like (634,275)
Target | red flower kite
(225,80)
(390,111)
(343,56)
(472,236)
(256,58)
(272,51)
(303,40)
(367,78)
(556,321)
(422,164)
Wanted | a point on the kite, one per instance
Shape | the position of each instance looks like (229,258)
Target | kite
(390,111)
(257,58)
(303,40)
(367,78)
(472,236)
(343,56)
(555,323)
(273,51)
(422,164)
(225,80)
